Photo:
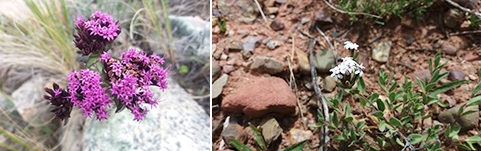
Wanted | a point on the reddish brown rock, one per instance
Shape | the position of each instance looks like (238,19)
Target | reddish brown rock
(261,96)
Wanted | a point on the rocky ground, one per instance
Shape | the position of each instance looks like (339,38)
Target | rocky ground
(261,66)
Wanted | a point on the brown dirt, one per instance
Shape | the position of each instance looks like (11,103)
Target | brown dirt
(414,42)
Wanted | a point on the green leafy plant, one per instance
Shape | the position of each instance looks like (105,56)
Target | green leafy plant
(385,9)
(261,144)
(395,122)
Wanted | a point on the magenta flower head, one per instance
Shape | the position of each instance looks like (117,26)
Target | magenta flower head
(95,33)
(59,98)
(86,92)
(131,77)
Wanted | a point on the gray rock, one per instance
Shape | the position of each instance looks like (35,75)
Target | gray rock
(29,102)
(228,68)
(272,10)
(273,44)
(453,18)
(240,11)
(456,75)
(176,123)
(218,85)
(230,131)
(266,65)
(270,130)
(216,69)
(250,43)
(466,122)
(235,45)
(453,45)
(277,25)
(325,60)
(329,84)
(380,52)
(298,135)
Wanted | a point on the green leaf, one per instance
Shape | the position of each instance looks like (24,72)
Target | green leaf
(296,147)
(378,114)
(476,89)
(394,121)
(362,101)
(335,119)
(380,105)
(474,101)
(464,147)
(474,139)
(361,86)
(183,69)
(338,137)
(259,139)
(393,86)
(347,109)
(92,59)
(349,119)
(446,87)
(467,112)
(415,138)
(240,146)
(454,130)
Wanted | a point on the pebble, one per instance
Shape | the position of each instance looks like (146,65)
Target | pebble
(466,122)
(305,20)
(303,61)
(270,130)
(273,44)
(325,60)
(228,68)
(276,25)
(223,57)
(266,65)
(218,85)
(453,45)
(380,52)
(299,135)
(272,10)
(231,10)
(329,84)
(453,18)
(215,69)
(473,77)
(455,75)
(235,45)
(281,1)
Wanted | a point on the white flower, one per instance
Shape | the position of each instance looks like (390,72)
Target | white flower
(346,68)
(350,45)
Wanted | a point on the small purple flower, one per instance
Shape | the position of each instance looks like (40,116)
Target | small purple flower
(105,57)
(132,75)
(86,92)
(59,98)
(95,33)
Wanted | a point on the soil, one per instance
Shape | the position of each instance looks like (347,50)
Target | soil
(414,42)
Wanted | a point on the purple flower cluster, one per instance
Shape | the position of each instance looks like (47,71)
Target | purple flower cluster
(95,33)
(59,98)
(86,92)
(131,76)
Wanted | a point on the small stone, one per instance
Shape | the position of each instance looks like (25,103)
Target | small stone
(260,96)
(455,75)
(273,44)
(223,57)
(270,130)
(329,84)
(218,85)
(235,45)
(298,135)
(303,61)
(228,68)
(453,45)
(272,10)
(243,33)
(325,60)
(305,20)
(380,52)
(277,25)
(230,131)
(323,18)
(230,9)
(269,3)
(428,122)
(251,43)
(466,122)
(453,18)
(473,77)
(215,69)
(216,12)
(266,65)
(422,75)
(281,1)
(217,54)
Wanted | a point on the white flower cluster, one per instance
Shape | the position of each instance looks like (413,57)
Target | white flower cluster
(346,68)
(350,45)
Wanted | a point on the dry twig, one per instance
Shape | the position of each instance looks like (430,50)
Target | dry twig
(464,9)
(465,32)
(324,135)
(260,10)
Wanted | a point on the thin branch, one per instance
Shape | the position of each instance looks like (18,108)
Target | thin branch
(324,135)
(325,37)
(465,32)
(260,10)
(350,13)
(292,82)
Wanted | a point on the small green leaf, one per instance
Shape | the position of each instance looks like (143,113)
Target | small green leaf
(92,59)
(474,101)
(296,147)
(349,119)
(183,69)
(467,112)
(415,138)
(362,101)
(476,89)
(454,131)
(394,121)
(240,146)
(259,139)
(380,105)
(335,119)
(378,114)
(474,139)
(446,87)
(347,109)
(338,138)
(361,85)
